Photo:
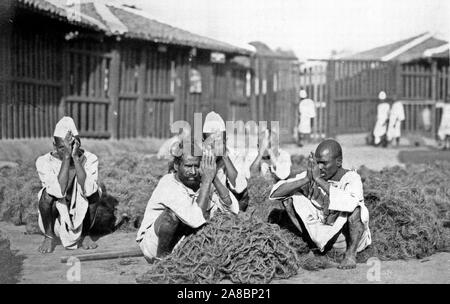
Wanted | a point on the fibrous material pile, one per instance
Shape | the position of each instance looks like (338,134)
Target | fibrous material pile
(242,249)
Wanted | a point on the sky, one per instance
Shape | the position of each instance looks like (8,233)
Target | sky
(312,28)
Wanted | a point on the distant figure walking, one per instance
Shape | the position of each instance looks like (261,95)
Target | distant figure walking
(396,116)
(307,111)
(444,128)
(380,129)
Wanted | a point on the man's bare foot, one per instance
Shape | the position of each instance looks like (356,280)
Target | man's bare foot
(87,243)
(348,263)
(47,246)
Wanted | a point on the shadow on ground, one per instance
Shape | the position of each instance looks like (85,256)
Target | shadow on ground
(10,263)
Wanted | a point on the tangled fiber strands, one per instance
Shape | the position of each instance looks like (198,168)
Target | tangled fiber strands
(241,248)
(403,225)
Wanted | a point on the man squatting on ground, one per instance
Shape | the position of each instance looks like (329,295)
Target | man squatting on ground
(69,196)
(230,162)
(183,201)
(326,203)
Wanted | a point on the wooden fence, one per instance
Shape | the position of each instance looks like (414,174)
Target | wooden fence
(350,89)
(313,80)
(112,89)
(30,86)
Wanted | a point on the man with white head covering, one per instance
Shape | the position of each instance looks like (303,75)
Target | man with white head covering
(381,124)
(307,111)
(396,116)
(70,194)
(228,160)
(182,202)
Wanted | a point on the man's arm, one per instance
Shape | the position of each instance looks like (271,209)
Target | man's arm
(230,170)
(63,175)
(79,169)
(208,171)
(256,165)
(222,191)
(289,188)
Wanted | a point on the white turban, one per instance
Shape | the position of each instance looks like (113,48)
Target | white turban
(382,95)
(65,125)
(303,94)
(213,123)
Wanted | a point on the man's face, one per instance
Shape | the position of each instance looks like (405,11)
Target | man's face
(58,144)
(188,171)
(328,164)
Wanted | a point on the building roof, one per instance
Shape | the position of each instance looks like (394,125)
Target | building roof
(117,19)
(263,49)
(403,51)
(55,10)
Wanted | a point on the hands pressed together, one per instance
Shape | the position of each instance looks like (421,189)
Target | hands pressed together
(71,146)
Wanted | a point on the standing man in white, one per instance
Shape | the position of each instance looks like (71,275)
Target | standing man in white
(381,124)
(396,116)
(307,111)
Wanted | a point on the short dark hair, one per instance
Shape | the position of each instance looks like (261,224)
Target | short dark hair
(178,156)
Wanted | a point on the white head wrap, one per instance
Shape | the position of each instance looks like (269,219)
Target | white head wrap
(213,123)
(303,94)
(382,95)
(65,125)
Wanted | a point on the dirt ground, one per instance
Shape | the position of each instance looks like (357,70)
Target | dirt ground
(38,268)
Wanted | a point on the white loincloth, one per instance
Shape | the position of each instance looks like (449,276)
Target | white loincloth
(444,127)
(396,116)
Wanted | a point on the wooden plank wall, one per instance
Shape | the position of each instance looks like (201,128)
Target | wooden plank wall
(275,86)
(353,87)
(31,83)
(313,80)
(86,99)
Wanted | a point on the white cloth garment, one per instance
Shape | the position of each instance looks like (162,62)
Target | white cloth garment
(69,225)
(345,196)
(307,110)
(396,116)
(381,123)
(444,127)
(65,125)
(172,194)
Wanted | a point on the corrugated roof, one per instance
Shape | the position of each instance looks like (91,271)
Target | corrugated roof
(137,24)
(412,53)
(52,9)
(263,49)
(141,27)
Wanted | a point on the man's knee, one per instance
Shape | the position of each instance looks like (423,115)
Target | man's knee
(47,202)
(166,224)
(355,217)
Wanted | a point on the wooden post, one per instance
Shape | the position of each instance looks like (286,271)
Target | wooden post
(229,90)
(141,91)
(113,88)
(253,106)
(434,96)
(331,115)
